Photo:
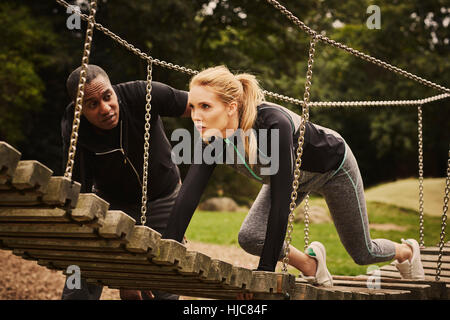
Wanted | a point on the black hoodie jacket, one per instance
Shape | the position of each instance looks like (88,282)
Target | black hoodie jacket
(111,163)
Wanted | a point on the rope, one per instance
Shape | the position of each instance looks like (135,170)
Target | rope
(273,95)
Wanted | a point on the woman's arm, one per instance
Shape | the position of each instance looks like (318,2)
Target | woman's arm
(188,198)
(280,193)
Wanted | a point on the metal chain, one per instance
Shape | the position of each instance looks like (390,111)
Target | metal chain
(273,95)
(306,220)
(80,93)
(355,52)
(129,46)
(299,152)
(420,143)
(148,108)
(444,220)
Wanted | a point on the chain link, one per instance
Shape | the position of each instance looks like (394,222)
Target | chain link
(355,52)
(148,108)
(299,152)
(273,95)
(420,143)
(306,220)
(80,91)
(444,220)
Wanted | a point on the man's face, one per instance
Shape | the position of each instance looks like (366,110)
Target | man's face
(100,104)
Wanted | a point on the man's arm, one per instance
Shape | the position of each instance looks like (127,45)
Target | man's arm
(187,112)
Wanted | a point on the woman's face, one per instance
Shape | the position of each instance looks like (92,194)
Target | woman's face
(210,115)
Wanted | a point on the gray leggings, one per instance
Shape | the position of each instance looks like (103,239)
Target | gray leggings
(344,194)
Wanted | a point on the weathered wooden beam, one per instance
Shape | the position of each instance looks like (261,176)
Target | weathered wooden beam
(143,240)
(194,263)
(430,272)
(218,272)
(29,175)
(9,159)
(89,208)
(418,291)
(46,230)
(438,290)
(169,252)
(60,192)
(30,214)
(75,244)
(271,282)
(117,225)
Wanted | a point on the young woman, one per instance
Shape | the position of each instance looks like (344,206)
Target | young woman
(225,109)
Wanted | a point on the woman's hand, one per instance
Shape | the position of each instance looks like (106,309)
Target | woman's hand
(126,294)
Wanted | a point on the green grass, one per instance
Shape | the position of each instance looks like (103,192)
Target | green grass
(405,193)
(223,227)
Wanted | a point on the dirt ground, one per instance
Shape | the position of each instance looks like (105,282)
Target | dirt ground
(25,280)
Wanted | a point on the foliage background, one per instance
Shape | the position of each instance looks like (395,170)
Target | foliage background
(38,52)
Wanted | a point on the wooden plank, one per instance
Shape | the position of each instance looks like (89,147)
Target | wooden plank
(203,293)
(218,272)
(272,282)
(392,268)
(435,250)
(80,244)
(169,252)
(115,257)
(437,287)
(143,240)
(46,230)
(89,208)
(117,225)
(60,192)
(241,277)
(434,258)
(195,263)
(30,175)
(418,291)
(9,159)
(137,269)
(30,214)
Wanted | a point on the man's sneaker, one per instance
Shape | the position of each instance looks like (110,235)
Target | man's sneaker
(323,277)
(413,269)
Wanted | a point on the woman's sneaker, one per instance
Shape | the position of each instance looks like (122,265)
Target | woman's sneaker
(323,277)
(411,269)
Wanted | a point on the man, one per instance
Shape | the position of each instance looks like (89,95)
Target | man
(109,156)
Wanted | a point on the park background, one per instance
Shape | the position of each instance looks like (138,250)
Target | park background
(39,51)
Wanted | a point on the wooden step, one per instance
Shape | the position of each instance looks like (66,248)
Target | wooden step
(29,175)
(418,291)
(438,290)
(60,192)
(9,159)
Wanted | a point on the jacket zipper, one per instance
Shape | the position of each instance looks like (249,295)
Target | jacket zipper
(123,153)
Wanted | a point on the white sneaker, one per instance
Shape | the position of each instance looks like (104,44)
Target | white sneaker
(413,269)
(323,277)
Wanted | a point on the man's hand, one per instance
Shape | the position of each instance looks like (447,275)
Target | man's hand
(244,296)
(126,294)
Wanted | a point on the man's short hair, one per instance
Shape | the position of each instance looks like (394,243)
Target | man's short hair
(93,71)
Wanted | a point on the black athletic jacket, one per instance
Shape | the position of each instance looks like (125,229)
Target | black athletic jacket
(111,163)
(323,151)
